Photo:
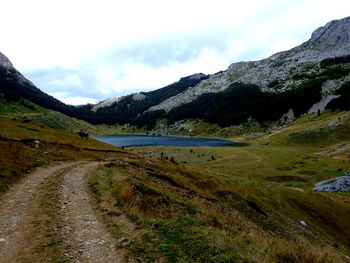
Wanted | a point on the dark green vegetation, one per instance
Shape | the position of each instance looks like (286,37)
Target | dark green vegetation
(343,102)
(334,61)
(339,66)
(240,101)
(13,89)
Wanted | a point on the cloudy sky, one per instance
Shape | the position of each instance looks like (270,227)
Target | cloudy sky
(84,51)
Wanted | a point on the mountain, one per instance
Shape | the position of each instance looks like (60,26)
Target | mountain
(280,72)
(157,96)
(127,108)
(305,79)
(14,86)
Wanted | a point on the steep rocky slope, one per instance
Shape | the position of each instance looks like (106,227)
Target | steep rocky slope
(154,97)
(281,71)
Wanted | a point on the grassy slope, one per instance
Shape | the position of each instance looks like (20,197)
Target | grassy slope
(30,112)
(19,155)
(234,204)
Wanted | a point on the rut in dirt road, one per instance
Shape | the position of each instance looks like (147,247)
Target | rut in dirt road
(85,239)
(80,237)
(15,214)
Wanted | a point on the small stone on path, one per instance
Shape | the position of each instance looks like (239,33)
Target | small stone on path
(302,223)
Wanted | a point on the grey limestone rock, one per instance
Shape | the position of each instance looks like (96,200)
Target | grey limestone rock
(339,184)
(5,62)
(105,103)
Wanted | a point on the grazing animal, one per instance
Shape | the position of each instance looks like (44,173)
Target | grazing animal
(83,135)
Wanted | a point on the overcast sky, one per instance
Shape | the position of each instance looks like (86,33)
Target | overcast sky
(84,51)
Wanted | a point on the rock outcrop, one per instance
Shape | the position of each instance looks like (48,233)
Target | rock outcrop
(339,184)
(105,103)
(5,62)
(276,73)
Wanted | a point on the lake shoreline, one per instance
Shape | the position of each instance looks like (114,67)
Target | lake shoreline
(138,140)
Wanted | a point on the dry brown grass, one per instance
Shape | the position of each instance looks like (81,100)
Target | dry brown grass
(282,251)
(162,192)
(19,154)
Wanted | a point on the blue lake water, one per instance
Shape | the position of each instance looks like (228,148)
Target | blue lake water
(144,140)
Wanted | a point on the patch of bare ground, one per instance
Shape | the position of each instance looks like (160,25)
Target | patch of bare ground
(85,239)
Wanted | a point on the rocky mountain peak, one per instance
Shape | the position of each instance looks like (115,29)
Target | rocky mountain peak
(335,33)
(197,76)
(280,71)
(5,62)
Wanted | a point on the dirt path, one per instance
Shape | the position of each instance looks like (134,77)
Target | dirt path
(82,238)
(14,212)
(85,238)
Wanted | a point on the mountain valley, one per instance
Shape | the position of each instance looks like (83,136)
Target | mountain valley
(69,199)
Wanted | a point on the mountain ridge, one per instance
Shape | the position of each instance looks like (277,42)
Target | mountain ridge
(278,66)
(307,78)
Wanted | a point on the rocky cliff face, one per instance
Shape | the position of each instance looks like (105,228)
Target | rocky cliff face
(278,72)
(5,62)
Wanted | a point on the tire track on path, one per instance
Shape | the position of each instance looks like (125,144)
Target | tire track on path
(85,239)
(15,214)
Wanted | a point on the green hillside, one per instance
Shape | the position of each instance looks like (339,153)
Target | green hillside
(26,111)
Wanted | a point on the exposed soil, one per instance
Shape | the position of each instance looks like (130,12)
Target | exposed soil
(82,237)
(85,238)
(14,214)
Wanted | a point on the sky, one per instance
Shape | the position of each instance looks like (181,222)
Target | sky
(85,51)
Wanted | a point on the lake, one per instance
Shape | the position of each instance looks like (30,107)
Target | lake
(144,140)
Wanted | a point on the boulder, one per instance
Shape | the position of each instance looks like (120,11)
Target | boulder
(339,184)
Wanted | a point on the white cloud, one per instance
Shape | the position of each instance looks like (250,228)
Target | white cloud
(77,100)
(98,49)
